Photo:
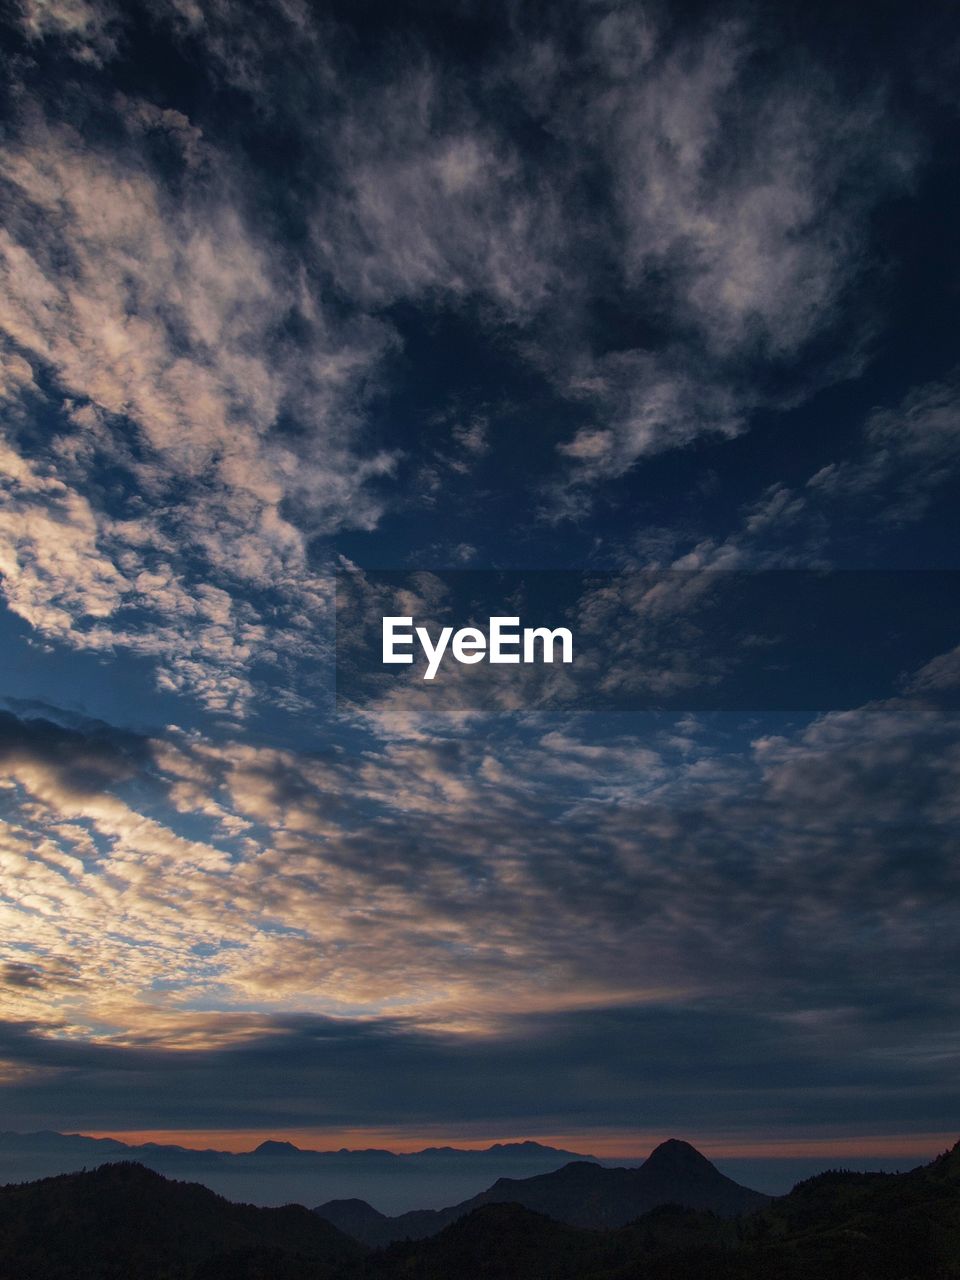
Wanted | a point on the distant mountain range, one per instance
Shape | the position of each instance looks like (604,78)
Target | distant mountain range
(124,1222)
(580,1194)
(280,1172)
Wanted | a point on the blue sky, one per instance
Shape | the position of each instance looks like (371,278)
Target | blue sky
(580,286)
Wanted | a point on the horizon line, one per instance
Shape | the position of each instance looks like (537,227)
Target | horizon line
(598,1145)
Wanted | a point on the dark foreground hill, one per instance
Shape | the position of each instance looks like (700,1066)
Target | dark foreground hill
(124,1222)
(579,1194)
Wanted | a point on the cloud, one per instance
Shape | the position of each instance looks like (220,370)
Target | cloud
(651,402)
(909,452)
(87,29)
(53,568)
(167,316)
(158,325)
(629,1071)
(741,184)
(735,233)
(459,881)
(730,188)
(207,339)
(433,205)
(902,460)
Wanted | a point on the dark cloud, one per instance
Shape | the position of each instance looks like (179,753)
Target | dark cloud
(86,760)
(694,1071)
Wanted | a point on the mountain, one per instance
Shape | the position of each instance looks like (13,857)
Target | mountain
(279,1172)
(123,1220)
(497,1242)
(837,1226)
(273,1148)
(580,1194)
(880,1225)
(360,1220)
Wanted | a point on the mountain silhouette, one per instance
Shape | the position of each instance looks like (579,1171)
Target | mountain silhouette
(837,1226)
(125,1221)
(279,1172)
(365,1223)
(676,1157)
(580,1194)
(496,1242)
(273,1148)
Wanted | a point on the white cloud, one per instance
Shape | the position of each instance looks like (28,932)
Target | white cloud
(908,452)
(740,209)
(87,27)
(432,201)
(158,320)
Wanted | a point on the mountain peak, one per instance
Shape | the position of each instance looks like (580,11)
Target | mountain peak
(677,1156)
(273,1148)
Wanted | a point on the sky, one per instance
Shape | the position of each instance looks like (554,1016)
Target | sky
(598,287)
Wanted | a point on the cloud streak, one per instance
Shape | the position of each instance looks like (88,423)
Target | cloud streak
(415,877)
